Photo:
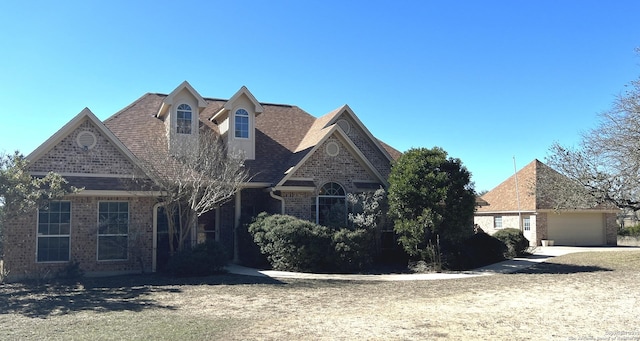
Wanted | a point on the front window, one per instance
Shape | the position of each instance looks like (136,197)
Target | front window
(331,208)
(113,230)
(54,229)
(242,124)
(184,119)
(497,222)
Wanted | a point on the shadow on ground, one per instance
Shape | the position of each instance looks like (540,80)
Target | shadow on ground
(120,293)
(560,269)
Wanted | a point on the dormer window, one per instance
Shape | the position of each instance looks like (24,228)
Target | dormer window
(242,124)
(184,119)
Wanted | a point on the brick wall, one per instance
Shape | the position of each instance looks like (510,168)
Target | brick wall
(542,227)
(20,246)
(299,204)
(611,228)
(342,168)
(68,157)
(371,151)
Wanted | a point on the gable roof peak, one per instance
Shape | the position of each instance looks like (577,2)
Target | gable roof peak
(168,100)
(333,117)
(228,106)
(72,125)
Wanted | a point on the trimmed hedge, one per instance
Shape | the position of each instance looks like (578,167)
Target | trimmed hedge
(292,244)
(479,250)
(515,241)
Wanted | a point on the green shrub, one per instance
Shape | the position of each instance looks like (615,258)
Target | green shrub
(632,231)
(352,249)
(515,241)
(292,244)
(204,259)
(478,250)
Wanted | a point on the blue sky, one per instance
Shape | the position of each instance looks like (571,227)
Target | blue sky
(485,80)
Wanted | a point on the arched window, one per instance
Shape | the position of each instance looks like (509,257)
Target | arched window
(242,124)
(331,207)
(183,119)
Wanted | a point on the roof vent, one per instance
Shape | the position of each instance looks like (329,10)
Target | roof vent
(344,124)
(332,149)
(86,140)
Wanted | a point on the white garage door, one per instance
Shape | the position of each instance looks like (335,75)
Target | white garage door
(584,229)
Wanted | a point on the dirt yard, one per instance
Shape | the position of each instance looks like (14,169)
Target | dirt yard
(581,296)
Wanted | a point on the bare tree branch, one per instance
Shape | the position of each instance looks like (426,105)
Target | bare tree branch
(194,177)
(606,163)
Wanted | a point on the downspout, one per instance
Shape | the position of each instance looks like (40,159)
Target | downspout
(272,193)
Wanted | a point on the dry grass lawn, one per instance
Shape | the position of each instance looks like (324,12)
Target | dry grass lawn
(581,296)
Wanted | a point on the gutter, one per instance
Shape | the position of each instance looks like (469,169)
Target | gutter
(272,193)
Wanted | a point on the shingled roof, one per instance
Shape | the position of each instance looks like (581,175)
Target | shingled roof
(283,135)
(533,191)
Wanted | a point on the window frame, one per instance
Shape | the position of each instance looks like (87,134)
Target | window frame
(184,124)
(526,224)
(241,113)
(118,234)
(497,219)
(333,198)
(40,236)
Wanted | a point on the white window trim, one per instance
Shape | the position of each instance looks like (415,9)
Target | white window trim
(178,126)
(98,235)
(330,196)
(38,236)
(248,116)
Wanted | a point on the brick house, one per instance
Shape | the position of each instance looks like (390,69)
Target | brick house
(521,202)
(298,164)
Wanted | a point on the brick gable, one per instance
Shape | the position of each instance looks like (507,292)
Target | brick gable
(68,157)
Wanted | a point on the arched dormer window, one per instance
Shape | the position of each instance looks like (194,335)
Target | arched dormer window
(183,119)
(331,205)
(241,124)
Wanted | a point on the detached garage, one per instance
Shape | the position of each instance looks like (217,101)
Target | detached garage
(521,202)
(573,229)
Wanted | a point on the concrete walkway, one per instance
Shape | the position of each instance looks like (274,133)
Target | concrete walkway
(541,254)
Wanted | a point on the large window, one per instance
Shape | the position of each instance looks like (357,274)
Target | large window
(184,119)
(242,124)
(331,208)
(54,228)
(113,230)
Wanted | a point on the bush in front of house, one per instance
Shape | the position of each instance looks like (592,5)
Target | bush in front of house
(631,231)
(352,249)
(204,259)
(515,241)
(476,251)
(292,244)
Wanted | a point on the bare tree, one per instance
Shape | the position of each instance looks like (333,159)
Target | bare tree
(606,162)
(194,177)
